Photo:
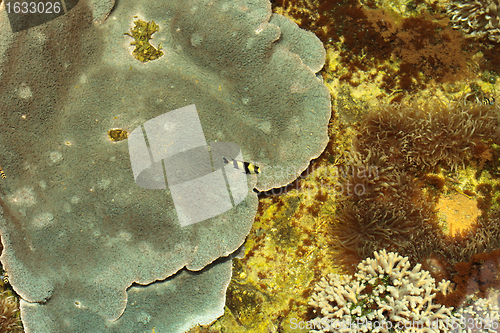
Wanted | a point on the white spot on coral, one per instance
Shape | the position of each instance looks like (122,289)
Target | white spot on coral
(144,248)
(125,235)
(103,184)
(23,197)
(265,126)
(38,38)
(243,8)
(55,157)
(25,91)
(83,79)
(42,184)
(42,220)
(295,125)
(67,208)
(120,239)
(245,100)
(298,87)
(169,126)
(196,39)
(143,317)
(75,200)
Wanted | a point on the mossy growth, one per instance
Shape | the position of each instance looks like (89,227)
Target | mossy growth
(285,255)
(401,52)
(117,134)
(142,33)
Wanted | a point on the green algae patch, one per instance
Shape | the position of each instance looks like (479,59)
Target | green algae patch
(142,33)
(286,253)
(117,134)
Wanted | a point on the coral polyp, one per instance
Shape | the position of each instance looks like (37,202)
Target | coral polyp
(410,146)
(9,314)
(428,136)
(477,19)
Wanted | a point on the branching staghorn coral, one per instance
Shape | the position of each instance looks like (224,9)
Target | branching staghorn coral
(384,291)
(481,315)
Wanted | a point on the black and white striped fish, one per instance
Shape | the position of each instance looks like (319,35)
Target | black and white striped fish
(248,168)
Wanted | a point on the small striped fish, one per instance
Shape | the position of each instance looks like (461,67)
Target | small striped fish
(2,174)
(249,168)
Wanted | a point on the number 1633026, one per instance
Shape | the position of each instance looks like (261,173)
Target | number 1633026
(33,7)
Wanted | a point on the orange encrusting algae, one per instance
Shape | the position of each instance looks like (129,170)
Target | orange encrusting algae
(459,212)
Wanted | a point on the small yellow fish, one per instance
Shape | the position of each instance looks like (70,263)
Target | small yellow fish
(2,174)
(248,168)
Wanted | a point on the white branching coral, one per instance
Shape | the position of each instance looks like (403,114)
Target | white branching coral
(476,18)
(384,295)
(480,315)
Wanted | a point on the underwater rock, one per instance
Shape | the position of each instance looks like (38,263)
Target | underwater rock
(87,232)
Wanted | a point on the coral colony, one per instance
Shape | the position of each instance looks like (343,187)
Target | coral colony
(477,19)
(88,250)
(406,142)
(387,295)
(78,232)
(410,145)
(376,37)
